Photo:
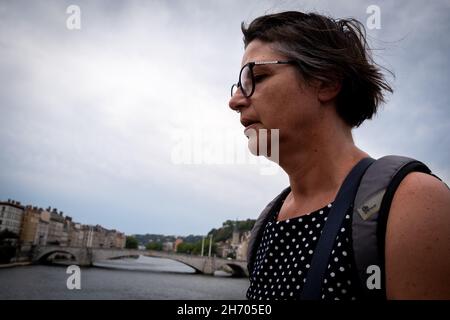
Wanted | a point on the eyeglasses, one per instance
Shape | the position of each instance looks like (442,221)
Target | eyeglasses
(247,78)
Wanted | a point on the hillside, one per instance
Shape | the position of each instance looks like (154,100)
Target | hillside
(144,239)
(223,233)
(226,231)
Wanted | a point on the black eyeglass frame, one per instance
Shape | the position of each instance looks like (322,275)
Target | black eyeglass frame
(250,65)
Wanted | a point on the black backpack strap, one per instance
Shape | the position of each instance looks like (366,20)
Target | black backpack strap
(258,228)
(342,204)
(370,214)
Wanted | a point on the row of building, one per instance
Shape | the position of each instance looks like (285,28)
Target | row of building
(37,226)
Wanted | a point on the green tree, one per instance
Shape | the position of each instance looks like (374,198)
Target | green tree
(6,253)
(7,235)
(187,248)
(7,245)
(226,231)
(154,246)
(198,248)
(131,242)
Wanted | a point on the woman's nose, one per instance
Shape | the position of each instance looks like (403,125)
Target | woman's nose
(238,101)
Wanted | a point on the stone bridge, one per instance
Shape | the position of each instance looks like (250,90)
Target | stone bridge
(87,256)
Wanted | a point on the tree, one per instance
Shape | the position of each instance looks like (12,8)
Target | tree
(185,248)
(226,231)
(131,243)
(6,253)
(154,246)
(197,248)
(7,235)
(7,246)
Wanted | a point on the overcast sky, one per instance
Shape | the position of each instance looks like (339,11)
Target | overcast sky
(98,122)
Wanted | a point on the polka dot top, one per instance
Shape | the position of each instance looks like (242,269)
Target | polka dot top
(285,254)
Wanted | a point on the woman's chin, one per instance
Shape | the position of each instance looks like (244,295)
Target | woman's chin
(253,144)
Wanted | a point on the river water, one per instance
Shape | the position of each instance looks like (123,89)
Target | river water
(141,278)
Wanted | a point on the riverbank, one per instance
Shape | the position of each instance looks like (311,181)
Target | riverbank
(14,264)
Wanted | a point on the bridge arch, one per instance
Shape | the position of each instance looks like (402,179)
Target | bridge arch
(43,257)
(118,256)
(194,266)
(237,270)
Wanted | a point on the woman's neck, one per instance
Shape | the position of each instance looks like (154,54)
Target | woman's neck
(317,171)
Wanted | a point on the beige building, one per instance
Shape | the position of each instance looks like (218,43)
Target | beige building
(30,224)
(115,239)
(104,238)
(41,235)
(56,226)
(110,239)
(11,215)
(65,234)
(35,226)
(99,237)
(88,235)
(223,249)
(236,247)
(121,240)
(241,251)
(76,235)
(167,246)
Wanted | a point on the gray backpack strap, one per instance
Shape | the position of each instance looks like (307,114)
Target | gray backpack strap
(258,228)
(370,213)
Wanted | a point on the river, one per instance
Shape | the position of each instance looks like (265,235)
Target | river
(141,278)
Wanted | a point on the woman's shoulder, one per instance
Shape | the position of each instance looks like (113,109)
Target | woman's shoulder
(418,239)
(418,196)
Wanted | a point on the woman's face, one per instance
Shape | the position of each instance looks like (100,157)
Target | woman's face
(281,100)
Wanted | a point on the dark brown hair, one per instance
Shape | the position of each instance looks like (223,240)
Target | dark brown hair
(328,50)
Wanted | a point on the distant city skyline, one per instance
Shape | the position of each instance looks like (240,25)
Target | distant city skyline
(93,120)
(14,202)
(27,228)
(49,209)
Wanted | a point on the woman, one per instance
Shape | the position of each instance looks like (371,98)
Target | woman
(312,78)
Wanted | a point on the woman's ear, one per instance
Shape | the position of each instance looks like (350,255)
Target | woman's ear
(328,91)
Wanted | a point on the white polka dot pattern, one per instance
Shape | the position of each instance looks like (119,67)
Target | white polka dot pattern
(284,257)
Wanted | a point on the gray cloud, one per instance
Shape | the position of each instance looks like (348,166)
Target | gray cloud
(88,116)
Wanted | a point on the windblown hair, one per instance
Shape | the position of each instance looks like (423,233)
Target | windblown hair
(329,50)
